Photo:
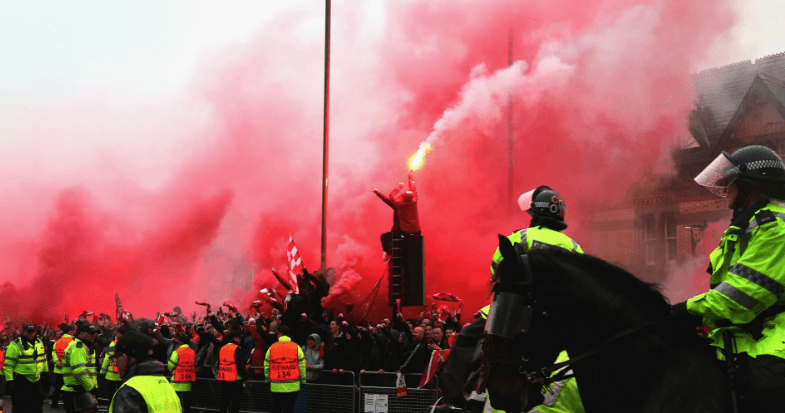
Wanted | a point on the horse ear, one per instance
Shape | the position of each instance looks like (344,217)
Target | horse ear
(506,248)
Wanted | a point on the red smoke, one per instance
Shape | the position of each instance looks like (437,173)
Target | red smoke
(603,94)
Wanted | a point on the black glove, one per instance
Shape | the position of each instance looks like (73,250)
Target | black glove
(680,314)
(679,310)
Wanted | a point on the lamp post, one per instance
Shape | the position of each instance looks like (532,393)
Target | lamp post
(326,147)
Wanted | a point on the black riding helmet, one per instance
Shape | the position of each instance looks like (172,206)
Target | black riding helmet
(545,204)
(755,166)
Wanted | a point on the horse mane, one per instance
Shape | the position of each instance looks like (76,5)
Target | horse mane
(643,295)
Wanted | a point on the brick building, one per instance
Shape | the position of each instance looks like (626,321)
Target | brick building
(737,105)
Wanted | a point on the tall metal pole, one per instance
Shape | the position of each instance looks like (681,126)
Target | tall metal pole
(509,132)
(326,152)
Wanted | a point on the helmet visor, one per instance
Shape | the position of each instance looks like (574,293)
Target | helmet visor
(525,200)
(720,173)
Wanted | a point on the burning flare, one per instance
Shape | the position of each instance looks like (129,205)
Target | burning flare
(417,159)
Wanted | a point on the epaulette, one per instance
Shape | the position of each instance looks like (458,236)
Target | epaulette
(764,216)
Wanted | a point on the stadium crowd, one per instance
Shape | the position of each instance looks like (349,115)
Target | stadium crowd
(332,344)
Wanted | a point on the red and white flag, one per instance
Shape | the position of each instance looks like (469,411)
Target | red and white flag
(438,358)
(295,264)
(120,314)
(400,386)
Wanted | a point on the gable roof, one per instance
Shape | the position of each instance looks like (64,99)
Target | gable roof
(764,88)
(721,90)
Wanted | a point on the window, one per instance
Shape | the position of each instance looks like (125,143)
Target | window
(670,236)
(651,239)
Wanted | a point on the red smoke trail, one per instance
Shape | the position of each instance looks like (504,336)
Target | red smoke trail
(223,208)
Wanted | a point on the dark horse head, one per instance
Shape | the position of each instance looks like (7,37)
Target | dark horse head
(575,302)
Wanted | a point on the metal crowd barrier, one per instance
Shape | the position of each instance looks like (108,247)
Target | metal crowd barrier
(416,400)
(314,397)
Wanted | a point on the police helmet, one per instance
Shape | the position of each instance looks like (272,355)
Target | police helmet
(756,166)
(545,204)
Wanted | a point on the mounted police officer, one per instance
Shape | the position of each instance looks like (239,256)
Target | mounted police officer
(547,210)
(747,295)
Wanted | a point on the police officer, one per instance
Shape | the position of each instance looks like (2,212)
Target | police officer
(183,368)
(747,295)
(58,353)
(109,367)
(145,388)
(231,372)
(79,372)
(548,210)
(25,362)
(284,369)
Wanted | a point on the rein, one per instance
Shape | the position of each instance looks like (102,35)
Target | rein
(544,375)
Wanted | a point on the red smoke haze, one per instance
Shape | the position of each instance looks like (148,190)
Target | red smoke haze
(603,94)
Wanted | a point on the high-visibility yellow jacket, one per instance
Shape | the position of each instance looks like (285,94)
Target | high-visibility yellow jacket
(79,367)
(157,393)
(30,362)
(108,367)
(747,278)
(537,237)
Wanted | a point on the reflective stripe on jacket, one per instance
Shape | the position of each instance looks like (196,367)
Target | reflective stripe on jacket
(58,352)
(29,363)
(227,367)
(109,366)
(283,384)
(157,393)
(79,370)
(182,365)
(748,277)
(537,237)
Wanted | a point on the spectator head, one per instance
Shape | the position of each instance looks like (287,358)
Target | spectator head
(334,327)
(177,310)
(437,335)
(235,336)
(428,332)
(82,317)
(425,322)
(411,326)
(418,333)
(448,331)
(311,342)
(66,328)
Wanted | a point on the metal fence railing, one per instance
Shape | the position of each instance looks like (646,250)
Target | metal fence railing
(416,400)
(314,397)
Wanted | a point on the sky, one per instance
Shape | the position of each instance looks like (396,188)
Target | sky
(151,149)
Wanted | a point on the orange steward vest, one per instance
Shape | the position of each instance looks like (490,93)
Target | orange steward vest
(60,346)
(227,368)
(186,370)
(284,363)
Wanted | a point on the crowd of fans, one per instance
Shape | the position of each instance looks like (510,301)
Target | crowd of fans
(333,345)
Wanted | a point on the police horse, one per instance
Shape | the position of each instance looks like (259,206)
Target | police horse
(628,355)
